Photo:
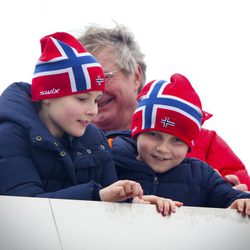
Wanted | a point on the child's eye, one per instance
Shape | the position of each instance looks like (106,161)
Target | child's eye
(177,140)
(81,99)
(153,134)
(97,99)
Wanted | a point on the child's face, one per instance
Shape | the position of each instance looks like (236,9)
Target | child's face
(160,151)
(71,114)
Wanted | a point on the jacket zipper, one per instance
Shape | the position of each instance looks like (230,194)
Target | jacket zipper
(156,182)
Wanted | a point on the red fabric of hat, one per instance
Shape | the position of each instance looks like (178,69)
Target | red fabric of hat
(173,108)
(64,68)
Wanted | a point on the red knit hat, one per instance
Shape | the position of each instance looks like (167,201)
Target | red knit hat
(173,108)
(65,68)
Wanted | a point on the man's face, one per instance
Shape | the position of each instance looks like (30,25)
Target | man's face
(119,98)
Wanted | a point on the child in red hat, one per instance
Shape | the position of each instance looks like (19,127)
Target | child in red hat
(48,145)
(167,120)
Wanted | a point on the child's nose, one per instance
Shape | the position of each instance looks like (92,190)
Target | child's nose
(92,109)
(162,147)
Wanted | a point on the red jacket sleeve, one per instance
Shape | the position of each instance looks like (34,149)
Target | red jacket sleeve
(211,148)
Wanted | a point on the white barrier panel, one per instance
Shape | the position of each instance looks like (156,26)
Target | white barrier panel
(27,224)
(35,223)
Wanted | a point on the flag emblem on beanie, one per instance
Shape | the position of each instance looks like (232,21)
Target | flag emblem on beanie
(173,108)
(65,68)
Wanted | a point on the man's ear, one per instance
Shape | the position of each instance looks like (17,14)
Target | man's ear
(138,78)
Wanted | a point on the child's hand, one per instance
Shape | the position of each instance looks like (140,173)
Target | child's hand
(242,205)
(164,206)
(234,180)
(121,190)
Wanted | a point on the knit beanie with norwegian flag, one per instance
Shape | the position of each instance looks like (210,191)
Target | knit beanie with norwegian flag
(65,68)
(173,108)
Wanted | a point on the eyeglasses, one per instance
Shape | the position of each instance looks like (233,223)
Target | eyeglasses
(109,75)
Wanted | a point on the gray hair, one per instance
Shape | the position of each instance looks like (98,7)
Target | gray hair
(121,42)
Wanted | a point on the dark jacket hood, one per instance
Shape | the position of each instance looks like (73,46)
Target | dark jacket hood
(16,107)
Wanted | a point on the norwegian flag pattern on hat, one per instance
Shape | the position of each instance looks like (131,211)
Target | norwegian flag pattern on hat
(173,108)
(65,68)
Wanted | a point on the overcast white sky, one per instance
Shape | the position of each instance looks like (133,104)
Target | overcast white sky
(208,41)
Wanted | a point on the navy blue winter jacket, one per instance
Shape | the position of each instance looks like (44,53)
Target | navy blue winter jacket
(34,163)
(193,182)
